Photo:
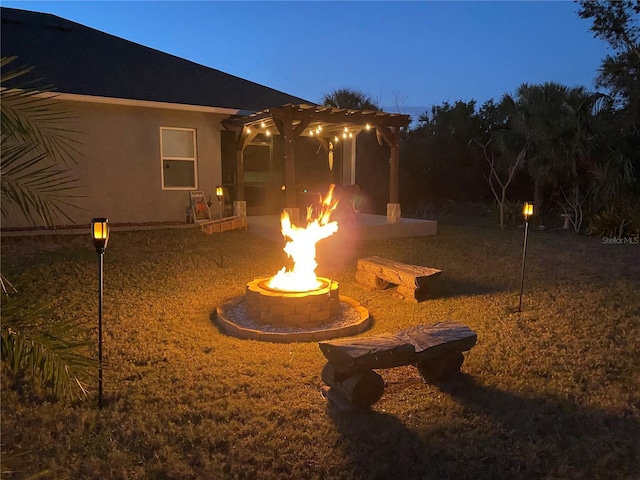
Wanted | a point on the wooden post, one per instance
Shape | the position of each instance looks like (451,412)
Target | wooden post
(394,169)
(283,120)
(242,140)
(391,136)
(240,174)
(289,163)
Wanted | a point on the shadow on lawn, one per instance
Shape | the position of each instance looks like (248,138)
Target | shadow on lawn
(519,437)
(378,445)
(447,287)
(551,437)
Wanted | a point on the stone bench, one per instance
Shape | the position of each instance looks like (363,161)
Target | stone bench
(435,349)
(412,280)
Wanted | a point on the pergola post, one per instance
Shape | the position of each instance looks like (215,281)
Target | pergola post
(289,164)
(394,173)
(240,174)
(284,124)
(391,136)
(243,137)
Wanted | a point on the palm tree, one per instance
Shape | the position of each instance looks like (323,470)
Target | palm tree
(556,120)
(347,98)
(36,184)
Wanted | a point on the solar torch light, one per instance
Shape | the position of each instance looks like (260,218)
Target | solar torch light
(100,236)
(220,195)
(527,211)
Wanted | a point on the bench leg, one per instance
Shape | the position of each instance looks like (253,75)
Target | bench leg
(371,280)
(438,369)
(362,388)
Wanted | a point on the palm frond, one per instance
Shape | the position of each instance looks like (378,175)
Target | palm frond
(41,191)
(35,140)
(33,115)
(54,352)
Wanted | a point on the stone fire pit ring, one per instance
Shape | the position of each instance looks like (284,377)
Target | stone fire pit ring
(351,319)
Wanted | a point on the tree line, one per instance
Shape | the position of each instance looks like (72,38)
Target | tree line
(572,151)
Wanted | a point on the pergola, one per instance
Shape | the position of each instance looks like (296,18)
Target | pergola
(327,124)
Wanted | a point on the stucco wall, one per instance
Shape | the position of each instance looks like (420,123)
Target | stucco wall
(121,167)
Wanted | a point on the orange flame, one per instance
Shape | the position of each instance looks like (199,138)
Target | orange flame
(301,247)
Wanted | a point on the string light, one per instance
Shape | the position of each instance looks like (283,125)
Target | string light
(262,124)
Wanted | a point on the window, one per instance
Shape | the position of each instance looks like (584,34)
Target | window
(178,154)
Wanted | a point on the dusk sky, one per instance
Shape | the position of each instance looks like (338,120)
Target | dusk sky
(410,55)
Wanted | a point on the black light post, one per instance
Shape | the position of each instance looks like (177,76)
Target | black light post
(220,195)
(527,212)
(100,236)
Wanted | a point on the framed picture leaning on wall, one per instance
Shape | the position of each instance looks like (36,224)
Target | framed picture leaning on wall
(199,208)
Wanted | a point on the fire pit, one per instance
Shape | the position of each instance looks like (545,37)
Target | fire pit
(296,305)
(308,309)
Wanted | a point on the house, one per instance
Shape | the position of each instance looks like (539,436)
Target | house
(154,126)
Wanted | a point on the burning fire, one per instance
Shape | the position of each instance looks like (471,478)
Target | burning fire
(302,247)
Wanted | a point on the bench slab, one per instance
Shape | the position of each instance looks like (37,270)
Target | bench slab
(408,347)
(379,273)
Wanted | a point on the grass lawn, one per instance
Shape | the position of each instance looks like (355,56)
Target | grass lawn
(552,392)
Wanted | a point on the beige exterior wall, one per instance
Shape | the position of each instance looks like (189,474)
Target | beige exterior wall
(121,167)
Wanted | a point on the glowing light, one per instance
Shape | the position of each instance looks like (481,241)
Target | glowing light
(262,124)
(350,135)
(100,233)
(344,135)
(268,133)
(336,139)
(248,130)
(301,247)
(527,210)
(368,127)
(283,188)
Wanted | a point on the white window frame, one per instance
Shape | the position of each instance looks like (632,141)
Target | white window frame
(193,159)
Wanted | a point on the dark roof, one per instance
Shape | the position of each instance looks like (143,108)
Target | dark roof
(80,60)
